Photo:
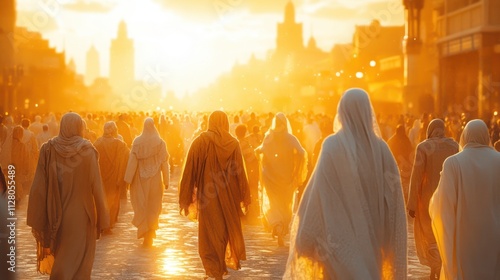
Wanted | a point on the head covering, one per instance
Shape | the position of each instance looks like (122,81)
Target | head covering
(110,129)
(149,134)
(435,129)
(17,133)
(218,132)
(280,123)
(355,113)
(400,130)
(70,140)
(475,134)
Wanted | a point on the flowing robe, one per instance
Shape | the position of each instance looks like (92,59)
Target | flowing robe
(351,223)
(429,159)
(213,189)
(113,159)
(465,212)
(67,204)
(145,166)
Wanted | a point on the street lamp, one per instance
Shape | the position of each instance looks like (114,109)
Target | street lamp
(412,49)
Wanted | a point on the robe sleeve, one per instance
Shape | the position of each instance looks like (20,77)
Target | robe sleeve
(417,178)
(99,197)
(189,176)
(244,189)
(131,167)
(37,210)
(442,210)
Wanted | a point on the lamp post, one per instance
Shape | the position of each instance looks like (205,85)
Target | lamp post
(412,49)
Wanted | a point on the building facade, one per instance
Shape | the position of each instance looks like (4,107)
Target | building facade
(468,44)
(92,70)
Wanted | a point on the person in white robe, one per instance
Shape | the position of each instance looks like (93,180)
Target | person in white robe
(148,161)
(351,221)
(465,209)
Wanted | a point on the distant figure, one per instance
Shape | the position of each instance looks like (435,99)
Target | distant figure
(402,150)
(29,140)
(284,168)
(351,222)
(67,206)
(213,190)
(255,138)
(232,127)
(429,159)
(113,159)
(414,133)
(465,209)
(148,161)
(20,159)
(36,127)
(252,168)
(5,150)
(124,130)
(43,137)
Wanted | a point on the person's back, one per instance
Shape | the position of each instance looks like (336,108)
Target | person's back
(67,209)
(465,209)
(351,222)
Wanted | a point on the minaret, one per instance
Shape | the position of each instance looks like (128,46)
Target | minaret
(122,62)
(92,70)
(289,38)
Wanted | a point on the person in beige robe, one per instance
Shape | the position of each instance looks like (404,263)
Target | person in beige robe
(465,209)
(212,190)
(284,169)
(351,221)
(425,175)
(67,206)
(147,162)
(113,159)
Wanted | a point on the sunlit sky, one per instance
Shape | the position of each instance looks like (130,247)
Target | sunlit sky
(189,43)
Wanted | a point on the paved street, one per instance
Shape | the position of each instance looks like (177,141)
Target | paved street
(174,256)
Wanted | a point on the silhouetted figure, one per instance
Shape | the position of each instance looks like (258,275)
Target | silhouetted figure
(427,166)
(284,168)
(402,151)
(113,159)
(148,161)
(252,168)
(67,206)
(351,222)
(465,209)
(213,190)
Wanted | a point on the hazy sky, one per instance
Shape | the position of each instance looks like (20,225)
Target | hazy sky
(188,43)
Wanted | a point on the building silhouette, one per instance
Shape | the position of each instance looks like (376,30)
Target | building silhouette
(122,61)
(92,70)
(7,62)
(289,39)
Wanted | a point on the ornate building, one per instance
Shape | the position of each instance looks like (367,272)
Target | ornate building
(92,70)
(122,61)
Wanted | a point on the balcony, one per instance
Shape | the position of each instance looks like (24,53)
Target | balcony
(460,21)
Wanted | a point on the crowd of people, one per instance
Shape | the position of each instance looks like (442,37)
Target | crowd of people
(338,186)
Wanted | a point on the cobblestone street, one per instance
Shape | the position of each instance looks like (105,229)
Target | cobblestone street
(175,251)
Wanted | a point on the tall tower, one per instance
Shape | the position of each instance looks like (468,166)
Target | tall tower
(289,38)
(7,25)
(92,70)
(121,67)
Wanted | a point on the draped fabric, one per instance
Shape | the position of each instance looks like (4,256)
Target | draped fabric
(67,207)
(427,166)
(212,190)
(402,150)
(284,169)
(147,162)
(113,159)
(465,209)
(20,158)
(351,222)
